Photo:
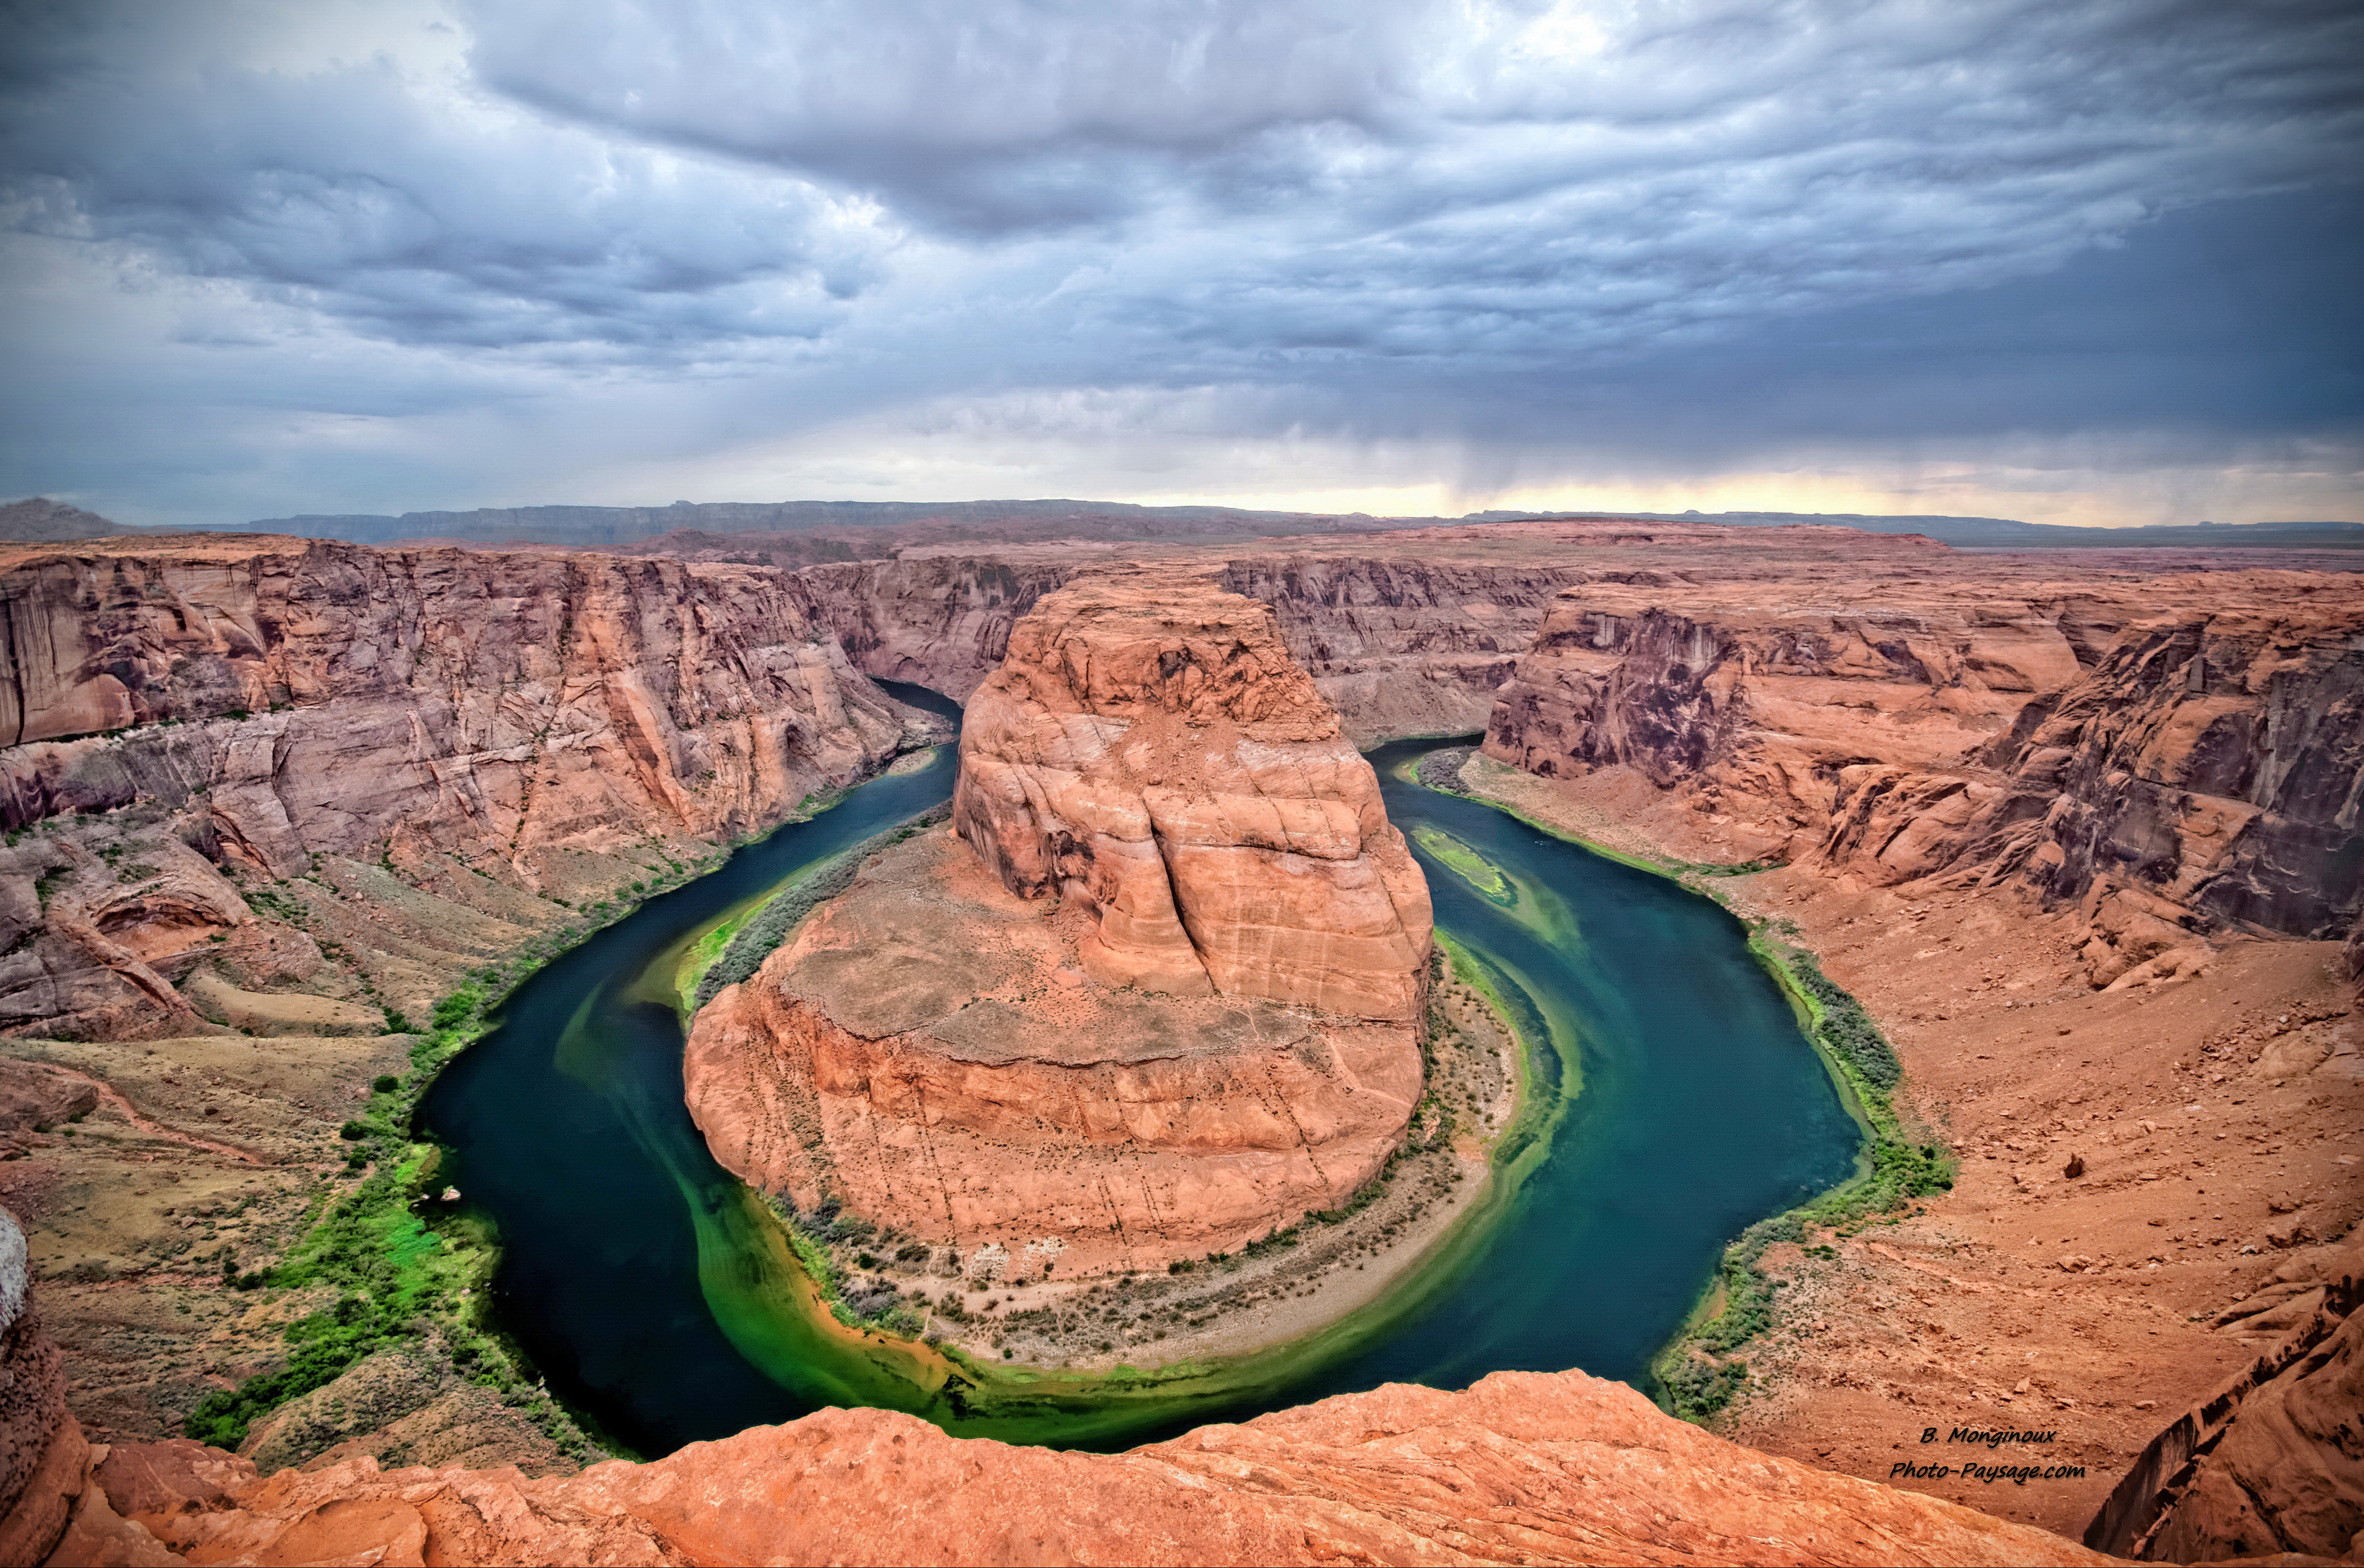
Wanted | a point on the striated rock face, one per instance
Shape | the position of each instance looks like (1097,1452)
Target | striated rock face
(486,723)
(943,622)
(2175,758)
(1149,748)
(1399,645)
(927,1051)
(2271,1463)
(2210,764)
(1403,645)
(1523,1467)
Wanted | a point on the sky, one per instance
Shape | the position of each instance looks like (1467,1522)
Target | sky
(2086,263)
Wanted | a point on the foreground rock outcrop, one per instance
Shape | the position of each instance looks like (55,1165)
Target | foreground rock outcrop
(1524,1467)
(1149,748)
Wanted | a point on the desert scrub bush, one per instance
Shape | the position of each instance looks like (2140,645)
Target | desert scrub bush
(1846,1028)
(456,1009)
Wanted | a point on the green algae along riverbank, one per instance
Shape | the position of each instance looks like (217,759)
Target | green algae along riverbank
(667,1304)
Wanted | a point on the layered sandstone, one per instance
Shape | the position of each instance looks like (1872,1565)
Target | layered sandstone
(2270,1462)
(1523,1467)
(2174,758)
(1399,644)
(928,1052)
(491,728)
(1149,749)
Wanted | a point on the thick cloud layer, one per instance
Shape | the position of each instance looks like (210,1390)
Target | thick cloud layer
(339,256)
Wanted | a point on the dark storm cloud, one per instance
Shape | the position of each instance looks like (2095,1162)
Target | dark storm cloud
(346,192)
(1694,225)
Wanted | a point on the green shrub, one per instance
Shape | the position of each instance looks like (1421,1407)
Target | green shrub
(458,1008)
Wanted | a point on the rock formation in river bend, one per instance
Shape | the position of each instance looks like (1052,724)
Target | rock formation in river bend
(926,1052)
(1149,748)
(1155,1000)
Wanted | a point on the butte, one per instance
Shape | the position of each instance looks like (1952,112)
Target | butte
(1153,993)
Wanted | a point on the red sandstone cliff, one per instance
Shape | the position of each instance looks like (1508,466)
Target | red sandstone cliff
(2176,760)
(1148,747)
(489,726)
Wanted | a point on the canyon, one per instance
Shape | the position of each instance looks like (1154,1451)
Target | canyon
(2081,833)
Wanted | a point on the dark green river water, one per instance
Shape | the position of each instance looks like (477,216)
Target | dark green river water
(1676,1101)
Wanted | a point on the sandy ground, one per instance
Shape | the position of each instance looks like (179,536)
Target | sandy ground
(1243,1304)
(2220,1121)
(199,1152)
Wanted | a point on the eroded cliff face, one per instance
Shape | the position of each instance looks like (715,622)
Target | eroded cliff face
(2269,1463)
(1149,749)
(2208,774)
(1397,644)
(1401,645)
(940,621)
(2174,761)
(928,1052)
(495,730)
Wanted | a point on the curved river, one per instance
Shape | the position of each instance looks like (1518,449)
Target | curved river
(1676,1101)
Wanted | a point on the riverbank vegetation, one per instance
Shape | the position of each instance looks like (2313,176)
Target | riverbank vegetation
(394,1266)
(1901,1162)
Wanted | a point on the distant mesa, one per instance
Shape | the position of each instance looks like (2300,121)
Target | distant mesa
(38,519)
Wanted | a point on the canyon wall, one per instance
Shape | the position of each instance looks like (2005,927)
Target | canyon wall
(1148,747)
(336,727)
(1398,645)
(2173,758)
